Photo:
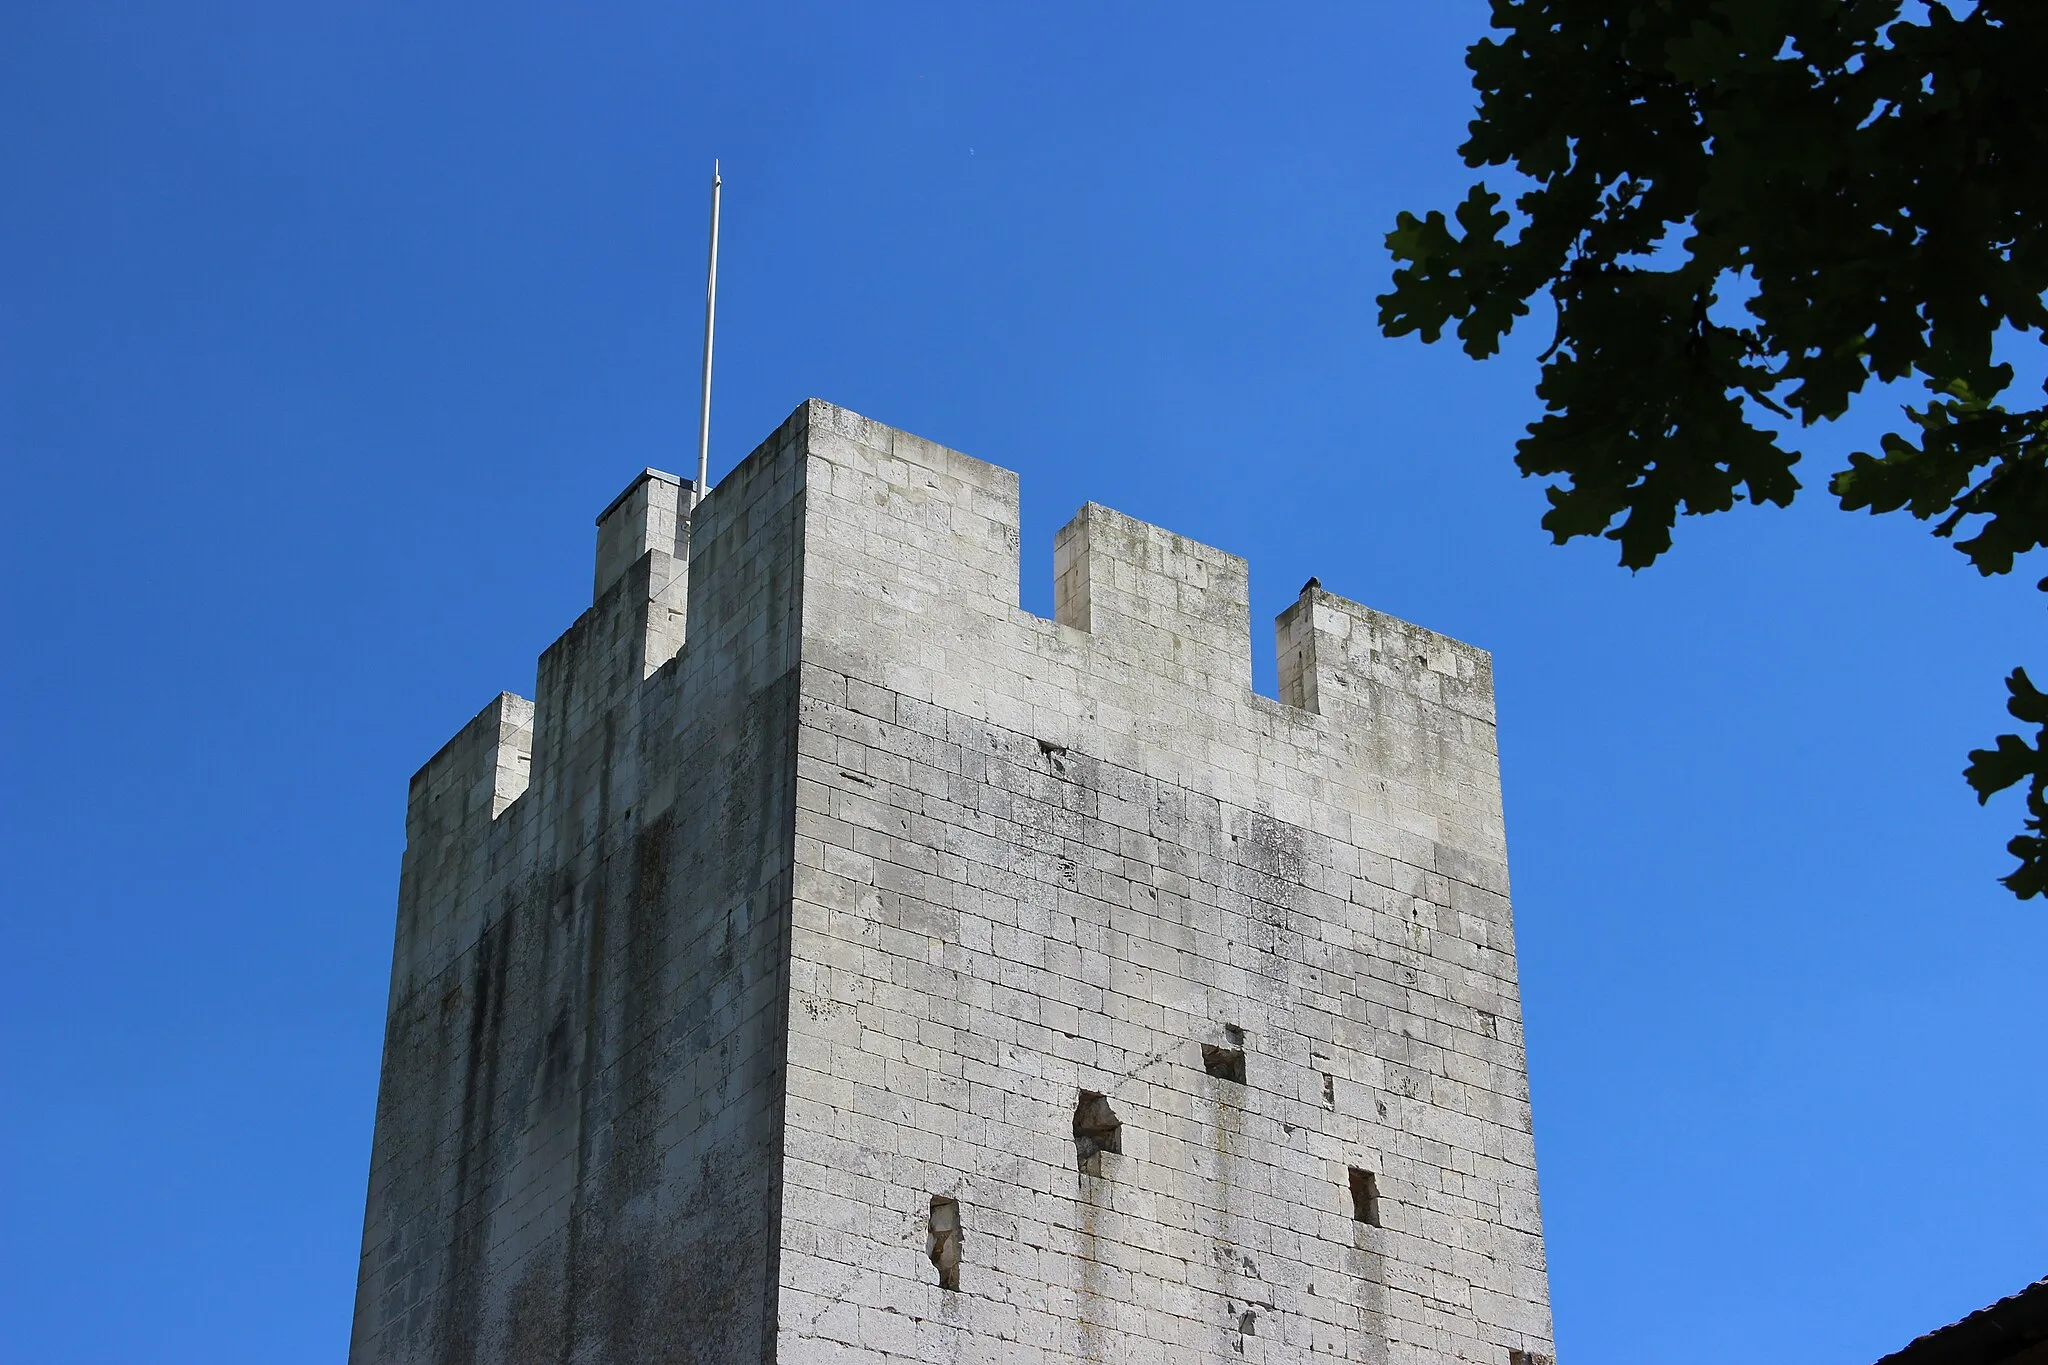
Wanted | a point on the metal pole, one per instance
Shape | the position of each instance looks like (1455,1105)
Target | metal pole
(710,318)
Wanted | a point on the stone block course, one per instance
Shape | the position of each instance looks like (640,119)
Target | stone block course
(821,882)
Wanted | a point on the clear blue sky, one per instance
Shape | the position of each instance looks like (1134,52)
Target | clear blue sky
(327,328)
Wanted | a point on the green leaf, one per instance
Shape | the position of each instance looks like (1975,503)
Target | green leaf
(2008,763)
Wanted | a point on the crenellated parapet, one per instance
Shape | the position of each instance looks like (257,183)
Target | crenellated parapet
(652,514)
(923,541)
(1156,597)
(1343,659)
(475,776)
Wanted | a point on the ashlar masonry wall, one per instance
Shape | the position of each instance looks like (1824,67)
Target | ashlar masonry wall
(869,970)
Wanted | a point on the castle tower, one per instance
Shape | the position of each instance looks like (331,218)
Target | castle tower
(836,963)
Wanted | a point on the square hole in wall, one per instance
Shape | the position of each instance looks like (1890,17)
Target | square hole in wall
(1096,1130)
(942,1241)
(1365,1196)
(1224,1063)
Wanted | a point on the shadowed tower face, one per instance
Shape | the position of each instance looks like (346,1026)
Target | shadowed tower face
(836,963)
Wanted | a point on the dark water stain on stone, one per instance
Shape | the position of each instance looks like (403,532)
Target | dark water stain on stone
(476,1160)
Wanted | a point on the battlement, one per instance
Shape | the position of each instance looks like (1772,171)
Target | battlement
(1180,602)
(653,513)
(1339,657)
(835,960)
(475,775)
(906,554)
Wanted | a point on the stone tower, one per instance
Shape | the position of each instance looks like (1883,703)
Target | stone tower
(836,963)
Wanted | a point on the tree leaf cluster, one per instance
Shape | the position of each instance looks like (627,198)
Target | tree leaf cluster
(1743,213)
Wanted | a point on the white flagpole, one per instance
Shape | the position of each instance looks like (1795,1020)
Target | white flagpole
(710,319)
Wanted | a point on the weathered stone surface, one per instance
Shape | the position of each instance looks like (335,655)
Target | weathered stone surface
(795,952)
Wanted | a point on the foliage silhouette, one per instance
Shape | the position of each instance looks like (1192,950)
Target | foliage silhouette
(1741,207)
